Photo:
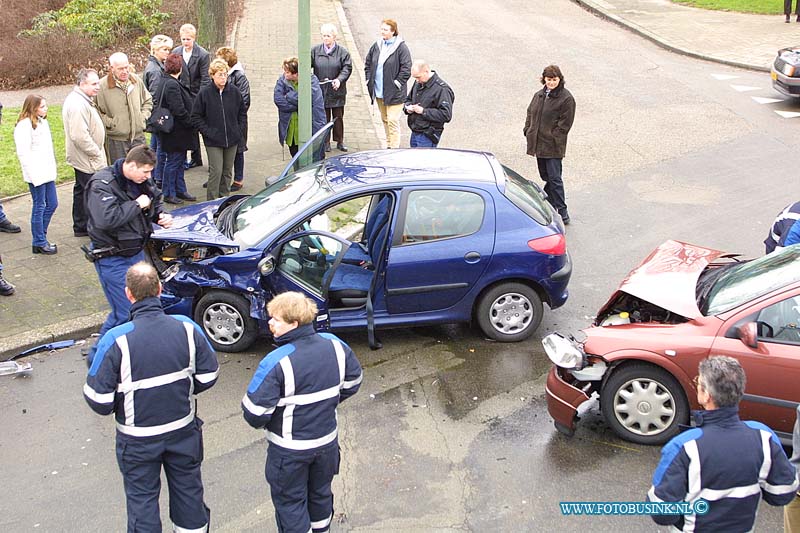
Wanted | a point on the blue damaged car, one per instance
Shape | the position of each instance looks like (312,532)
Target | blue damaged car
(378,239)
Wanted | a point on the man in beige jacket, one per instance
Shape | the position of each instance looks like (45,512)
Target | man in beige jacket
(84,136)
(125,105)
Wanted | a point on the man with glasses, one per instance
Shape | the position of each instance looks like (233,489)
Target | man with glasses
(727,463)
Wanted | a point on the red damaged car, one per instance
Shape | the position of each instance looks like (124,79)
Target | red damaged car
(684,303)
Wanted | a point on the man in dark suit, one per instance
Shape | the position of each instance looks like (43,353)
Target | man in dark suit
(194,73)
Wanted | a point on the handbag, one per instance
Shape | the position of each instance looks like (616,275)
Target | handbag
(160,119)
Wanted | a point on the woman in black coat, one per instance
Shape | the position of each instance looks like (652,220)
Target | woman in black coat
(549,119)
(388,68)
(332,66)
(177,99)
(237,78)
(219,114)
(160,47)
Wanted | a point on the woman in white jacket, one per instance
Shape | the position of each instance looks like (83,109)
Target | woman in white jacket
(38,161)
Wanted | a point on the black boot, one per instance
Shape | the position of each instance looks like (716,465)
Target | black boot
(6,289)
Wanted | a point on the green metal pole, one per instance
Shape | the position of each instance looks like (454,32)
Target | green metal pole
(304,80)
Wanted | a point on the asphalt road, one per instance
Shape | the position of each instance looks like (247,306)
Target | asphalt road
(450,432)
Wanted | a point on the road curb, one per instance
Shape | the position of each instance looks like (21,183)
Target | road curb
(598,11)
(75,328)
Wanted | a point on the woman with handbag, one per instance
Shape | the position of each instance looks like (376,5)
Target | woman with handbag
(160,47)
(37,158)
(176,100)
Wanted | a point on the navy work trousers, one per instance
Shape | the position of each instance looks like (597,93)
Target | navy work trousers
(140,460)
(111,271)
(300,483)
(550,172)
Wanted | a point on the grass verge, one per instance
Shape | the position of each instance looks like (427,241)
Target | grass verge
(11,182)
(763,7)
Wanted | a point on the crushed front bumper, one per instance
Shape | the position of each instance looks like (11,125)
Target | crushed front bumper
(567,389)
(563,400)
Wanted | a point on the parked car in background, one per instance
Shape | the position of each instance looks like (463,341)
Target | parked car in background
(682,304)
(785,71)
(377,239)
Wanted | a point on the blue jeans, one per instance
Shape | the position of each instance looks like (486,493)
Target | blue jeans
(45,201)
(419,140)
(2,213)
(161,157)
(174,182)
(111,271)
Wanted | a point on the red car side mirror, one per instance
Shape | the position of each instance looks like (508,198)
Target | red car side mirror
(748,334)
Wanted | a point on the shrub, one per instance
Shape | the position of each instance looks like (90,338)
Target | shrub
(30,61)
(103,21)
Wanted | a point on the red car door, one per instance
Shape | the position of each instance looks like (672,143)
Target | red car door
(773,366)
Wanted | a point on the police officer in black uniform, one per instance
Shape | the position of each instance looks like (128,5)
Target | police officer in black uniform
(122,202)
(294,395)
(429,106)
(147,372)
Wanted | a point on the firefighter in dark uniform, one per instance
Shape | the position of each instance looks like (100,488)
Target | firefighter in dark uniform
(429,105)
(785,228)
(147,372)
(122,202)
(294,395)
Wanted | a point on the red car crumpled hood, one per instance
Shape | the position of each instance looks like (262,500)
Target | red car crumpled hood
(668,278)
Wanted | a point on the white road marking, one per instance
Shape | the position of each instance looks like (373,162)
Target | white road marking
(744,88)
(762,100)
(723,77)
(788,114)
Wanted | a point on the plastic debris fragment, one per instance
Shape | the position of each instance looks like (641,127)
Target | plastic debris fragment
(8,368)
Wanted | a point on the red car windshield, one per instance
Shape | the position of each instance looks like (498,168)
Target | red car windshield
(742,283)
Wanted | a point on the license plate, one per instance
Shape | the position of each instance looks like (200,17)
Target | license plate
(774,75)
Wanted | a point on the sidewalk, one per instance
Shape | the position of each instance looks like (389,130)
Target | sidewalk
(736,39)
(59,297)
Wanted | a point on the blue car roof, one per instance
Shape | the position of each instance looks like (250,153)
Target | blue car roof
(408,165)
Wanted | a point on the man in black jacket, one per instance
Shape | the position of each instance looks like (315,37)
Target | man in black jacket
(194,73)
(123,202)
(429,106)
(147,372)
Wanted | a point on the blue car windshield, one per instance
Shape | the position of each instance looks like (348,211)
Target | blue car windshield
(264,212)
(751,280)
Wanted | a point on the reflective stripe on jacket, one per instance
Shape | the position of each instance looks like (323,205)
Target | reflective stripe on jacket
(148,370)
(728,463)
(296,389)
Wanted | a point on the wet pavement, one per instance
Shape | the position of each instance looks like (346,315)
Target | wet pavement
(441,437)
